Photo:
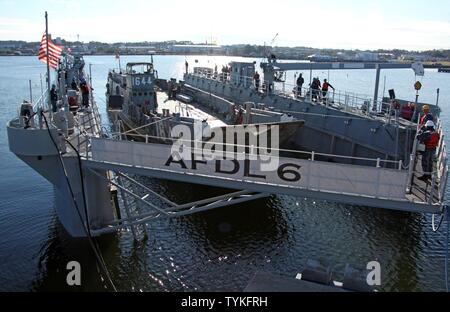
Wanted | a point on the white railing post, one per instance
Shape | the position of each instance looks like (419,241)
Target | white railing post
(433,184)
(443,183)
(412,163)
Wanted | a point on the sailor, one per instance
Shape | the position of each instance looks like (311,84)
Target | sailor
(315,87)
(186,64)
(170,89)
(85,90)
(53,98)
(300,82)
(240,117)
(257,80)
(430,138)
(325,87)
(427,116)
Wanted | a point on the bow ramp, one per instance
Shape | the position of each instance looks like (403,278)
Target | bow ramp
(384,184)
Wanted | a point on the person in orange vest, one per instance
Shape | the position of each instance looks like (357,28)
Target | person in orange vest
(325,87)
(427,116)
(430,138)
(85,90)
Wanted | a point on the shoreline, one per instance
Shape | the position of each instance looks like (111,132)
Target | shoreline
(443,65)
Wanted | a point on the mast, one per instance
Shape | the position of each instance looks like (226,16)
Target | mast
(48,64)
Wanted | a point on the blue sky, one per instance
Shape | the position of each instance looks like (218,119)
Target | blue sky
(347,24)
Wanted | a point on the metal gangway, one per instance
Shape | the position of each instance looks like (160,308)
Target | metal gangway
(382,184)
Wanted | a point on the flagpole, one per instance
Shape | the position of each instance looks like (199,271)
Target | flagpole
(48,65)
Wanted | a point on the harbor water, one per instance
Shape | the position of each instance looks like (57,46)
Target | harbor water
(219,250)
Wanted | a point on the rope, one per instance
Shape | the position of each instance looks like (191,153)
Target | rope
(141,127)
(433,222)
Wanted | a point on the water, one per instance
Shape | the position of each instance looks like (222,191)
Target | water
(218,250)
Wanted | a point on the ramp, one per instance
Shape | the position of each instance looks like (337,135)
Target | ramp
(351,184)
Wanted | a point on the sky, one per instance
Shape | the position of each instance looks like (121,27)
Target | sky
(339,24)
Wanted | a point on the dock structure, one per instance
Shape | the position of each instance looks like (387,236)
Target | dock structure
(90,168)
(444,69)
(109,161)
(374,186)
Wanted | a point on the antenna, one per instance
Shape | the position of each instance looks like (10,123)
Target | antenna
(268,47)
(273,40)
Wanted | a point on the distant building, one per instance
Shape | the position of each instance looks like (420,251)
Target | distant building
(57,41)
(138,49)
(195,48)
(386,56)
(10,45)
(367,57)
(320,58)
(414,57)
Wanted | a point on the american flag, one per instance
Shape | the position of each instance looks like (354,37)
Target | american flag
(54,52)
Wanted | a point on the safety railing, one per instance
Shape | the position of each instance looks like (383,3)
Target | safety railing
(36,120)
(343,100)
(441,162)
(439,176)
(257,151)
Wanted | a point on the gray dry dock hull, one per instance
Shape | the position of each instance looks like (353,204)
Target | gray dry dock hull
(97,194)
(326,130)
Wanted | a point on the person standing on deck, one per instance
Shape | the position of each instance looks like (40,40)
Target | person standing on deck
(430,138)
(85,90)
(315,89)
(300,82)
(427,116)
(257,80)
(325,87)
(53,98)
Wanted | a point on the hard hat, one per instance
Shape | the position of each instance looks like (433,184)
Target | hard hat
(426,108)
(429,124)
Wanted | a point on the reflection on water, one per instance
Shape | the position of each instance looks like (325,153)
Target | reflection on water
(215,250)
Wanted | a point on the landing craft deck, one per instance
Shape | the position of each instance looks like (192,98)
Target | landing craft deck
(186,110)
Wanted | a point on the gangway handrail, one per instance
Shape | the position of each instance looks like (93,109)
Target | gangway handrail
(347,100)
(250,81)
(312,154)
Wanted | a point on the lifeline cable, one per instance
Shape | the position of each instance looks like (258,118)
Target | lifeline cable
(102,261)
(96,252)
